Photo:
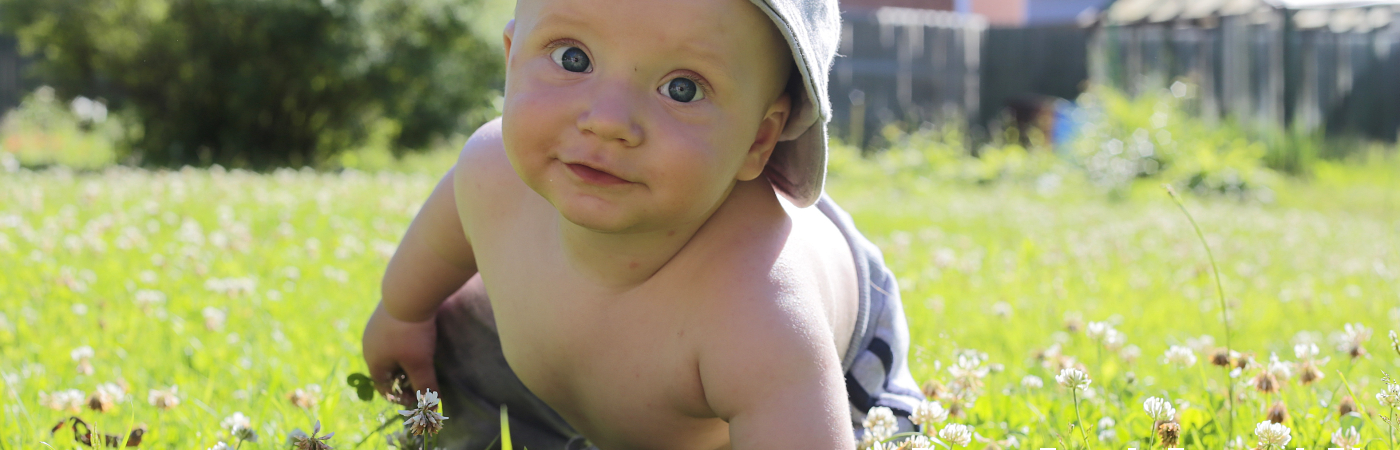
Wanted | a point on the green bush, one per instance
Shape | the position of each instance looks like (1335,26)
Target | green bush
(264,82)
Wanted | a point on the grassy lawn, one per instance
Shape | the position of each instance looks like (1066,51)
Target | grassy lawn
(235,290)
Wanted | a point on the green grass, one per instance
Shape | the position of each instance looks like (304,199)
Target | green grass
(999,268)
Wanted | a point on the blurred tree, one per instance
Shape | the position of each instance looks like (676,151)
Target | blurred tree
(264,82)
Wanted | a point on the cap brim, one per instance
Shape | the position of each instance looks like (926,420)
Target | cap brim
(798,167)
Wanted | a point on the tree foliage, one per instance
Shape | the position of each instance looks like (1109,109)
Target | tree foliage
(263,82)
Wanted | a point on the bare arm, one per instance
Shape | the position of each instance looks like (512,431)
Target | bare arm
(778,383)
(434,260)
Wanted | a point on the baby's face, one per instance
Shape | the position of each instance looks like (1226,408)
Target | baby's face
(638,115)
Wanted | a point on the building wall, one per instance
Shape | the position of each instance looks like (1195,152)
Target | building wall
(1002,13)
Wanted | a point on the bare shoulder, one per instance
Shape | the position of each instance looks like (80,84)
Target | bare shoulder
(775,319)
(484,179)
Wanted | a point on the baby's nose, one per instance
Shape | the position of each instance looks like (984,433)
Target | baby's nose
(612,116)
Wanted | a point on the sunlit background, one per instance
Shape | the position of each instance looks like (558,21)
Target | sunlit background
(198,199)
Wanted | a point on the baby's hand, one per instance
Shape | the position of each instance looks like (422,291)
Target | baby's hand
(392,345)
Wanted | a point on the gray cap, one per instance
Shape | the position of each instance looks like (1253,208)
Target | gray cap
(812,29)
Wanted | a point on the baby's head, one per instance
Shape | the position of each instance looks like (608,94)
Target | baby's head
(636,115)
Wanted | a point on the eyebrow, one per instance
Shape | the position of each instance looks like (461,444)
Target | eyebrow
(701,59)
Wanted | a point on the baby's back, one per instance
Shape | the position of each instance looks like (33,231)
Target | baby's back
(763,289)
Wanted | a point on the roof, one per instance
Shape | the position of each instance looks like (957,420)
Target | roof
(1338,15)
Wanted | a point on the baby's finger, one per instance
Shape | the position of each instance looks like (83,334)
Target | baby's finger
(422,376)
(383,376)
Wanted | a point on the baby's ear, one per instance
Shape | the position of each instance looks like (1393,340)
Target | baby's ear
(508,35)
(767,137)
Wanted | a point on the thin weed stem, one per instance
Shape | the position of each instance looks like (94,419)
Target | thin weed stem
(1078,421)
(1224,307)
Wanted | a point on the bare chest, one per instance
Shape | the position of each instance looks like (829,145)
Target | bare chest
(611,365)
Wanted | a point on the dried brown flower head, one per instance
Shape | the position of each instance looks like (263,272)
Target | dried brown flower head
(1308,373)
(1346,406)
(1221,357)
(1169,433)
(100,402)
(1278,413)
(1266,383)
(305,398)
(300,441)
(933,389)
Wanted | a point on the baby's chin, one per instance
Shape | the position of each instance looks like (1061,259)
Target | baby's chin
(599,216)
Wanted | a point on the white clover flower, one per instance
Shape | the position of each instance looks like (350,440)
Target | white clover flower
(70,400)
(918,441)
(1272,434)
(1179,356)
(956,434)
(214,318)
(880,422)
(1352,339)
(1096,331)
(145,298)
(112,391)
(81,353)
(1305,351)
(221,446)
(1347,438)
(868,441)
(1390,396)
(1032,382)
(1279,369)
(1130,353)
(1114,339)
(1107,422)
(1159,409)
(1073,378)
(1203,344)
(240,426)
(928,412)
(424,419)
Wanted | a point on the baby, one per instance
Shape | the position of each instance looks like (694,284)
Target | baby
(627,257)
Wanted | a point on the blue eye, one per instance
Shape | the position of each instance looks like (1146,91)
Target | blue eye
(571,59)
(683,90)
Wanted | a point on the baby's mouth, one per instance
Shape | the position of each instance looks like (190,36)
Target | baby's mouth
(595,176)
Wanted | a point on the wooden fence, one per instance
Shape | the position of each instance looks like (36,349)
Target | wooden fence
(908,66)
(12,88)
(1334,71)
